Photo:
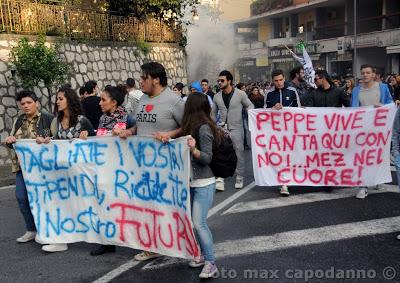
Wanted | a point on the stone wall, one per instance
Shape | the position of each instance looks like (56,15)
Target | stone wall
(105,62)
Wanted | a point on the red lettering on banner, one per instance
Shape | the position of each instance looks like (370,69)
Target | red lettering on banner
(298,117)
(357,117)
(326,159)
(368,157)
(269,158)
(261,118)
(337,121)
(258,140)
(329,177)
(135,217)
(373,139)
(275,121)
(310,122)
(381,114)
(340,177)
(280,177)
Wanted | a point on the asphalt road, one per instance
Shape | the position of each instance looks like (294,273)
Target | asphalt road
(311,236)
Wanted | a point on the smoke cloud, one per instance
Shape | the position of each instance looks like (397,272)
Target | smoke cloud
(211,46)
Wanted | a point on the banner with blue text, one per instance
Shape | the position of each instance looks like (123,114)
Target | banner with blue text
(132,192)
(322,146)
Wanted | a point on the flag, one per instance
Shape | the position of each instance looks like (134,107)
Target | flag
(309,72)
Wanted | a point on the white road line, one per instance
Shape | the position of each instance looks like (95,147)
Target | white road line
(229,200)
(7,187)
(304,198)
(167,260)
(118,271)
(300,238)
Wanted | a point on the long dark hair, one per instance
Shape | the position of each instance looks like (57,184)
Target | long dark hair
(197,113)
(73,104)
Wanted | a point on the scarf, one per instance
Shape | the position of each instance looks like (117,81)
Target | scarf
(109,120)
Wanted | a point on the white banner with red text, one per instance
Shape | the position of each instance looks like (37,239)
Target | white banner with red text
(322,146)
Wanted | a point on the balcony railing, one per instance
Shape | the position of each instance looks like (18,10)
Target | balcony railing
(364,25)
(24,17)
(262,6)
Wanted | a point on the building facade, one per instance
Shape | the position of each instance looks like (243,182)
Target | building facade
(327,28)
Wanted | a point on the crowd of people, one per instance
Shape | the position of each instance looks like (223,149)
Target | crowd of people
(119,111)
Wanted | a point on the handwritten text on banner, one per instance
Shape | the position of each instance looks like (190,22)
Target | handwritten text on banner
(132,192)
(322,146)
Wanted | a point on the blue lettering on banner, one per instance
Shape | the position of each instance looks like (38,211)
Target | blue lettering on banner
(149,188)
(85,222)
(146,154)
(49,160)
(64,188)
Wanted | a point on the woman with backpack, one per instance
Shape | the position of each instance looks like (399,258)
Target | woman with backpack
(205,135)
(69,124)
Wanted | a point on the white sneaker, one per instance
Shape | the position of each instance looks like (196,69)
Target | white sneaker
(197,263)
(362,193)
(284,191)
(53,248)
(27,237)
(239,182)
(209,270)
(146,256)
(220,184)
(398,237)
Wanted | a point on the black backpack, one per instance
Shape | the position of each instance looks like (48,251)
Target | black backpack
(223,163)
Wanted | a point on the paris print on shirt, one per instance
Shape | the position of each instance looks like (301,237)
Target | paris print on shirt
(145,114)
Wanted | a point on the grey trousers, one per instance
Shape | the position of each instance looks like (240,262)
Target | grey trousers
(237,136)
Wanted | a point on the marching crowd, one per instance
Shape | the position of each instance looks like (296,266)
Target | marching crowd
(165,113)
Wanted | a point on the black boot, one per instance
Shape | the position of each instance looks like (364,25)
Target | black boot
(102,249)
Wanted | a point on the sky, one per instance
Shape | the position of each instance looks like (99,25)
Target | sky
(233,9)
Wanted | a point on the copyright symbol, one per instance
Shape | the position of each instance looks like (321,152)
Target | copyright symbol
(389,273)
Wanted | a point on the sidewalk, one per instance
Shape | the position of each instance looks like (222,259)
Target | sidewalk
(6,176)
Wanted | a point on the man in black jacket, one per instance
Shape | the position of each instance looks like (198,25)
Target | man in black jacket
(282,95)
(326,95)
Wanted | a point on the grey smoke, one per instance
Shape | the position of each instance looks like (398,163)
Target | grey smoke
(211,47)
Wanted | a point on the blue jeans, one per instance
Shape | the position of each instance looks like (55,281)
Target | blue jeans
(397,165)
(201,199)
(23,202)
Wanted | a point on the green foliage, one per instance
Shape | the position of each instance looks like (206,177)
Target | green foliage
(169,10)
(37,63)
(54,31)
(143,46)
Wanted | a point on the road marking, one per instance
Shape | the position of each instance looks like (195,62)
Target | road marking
(7,187)
(300,238)
(118,271)
(168,260)
(229,200)
(304,198)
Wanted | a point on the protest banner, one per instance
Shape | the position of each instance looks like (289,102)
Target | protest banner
(321,146)
(107,190)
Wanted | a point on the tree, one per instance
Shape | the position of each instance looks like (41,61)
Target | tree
(169,10)
(37,63)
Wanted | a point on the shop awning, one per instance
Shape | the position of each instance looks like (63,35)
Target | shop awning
(393,49)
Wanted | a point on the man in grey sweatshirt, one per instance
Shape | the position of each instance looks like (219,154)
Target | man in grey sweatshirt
(230,102)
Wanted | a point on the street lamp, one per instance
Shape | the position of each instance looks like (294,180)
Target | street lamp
(355,40)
